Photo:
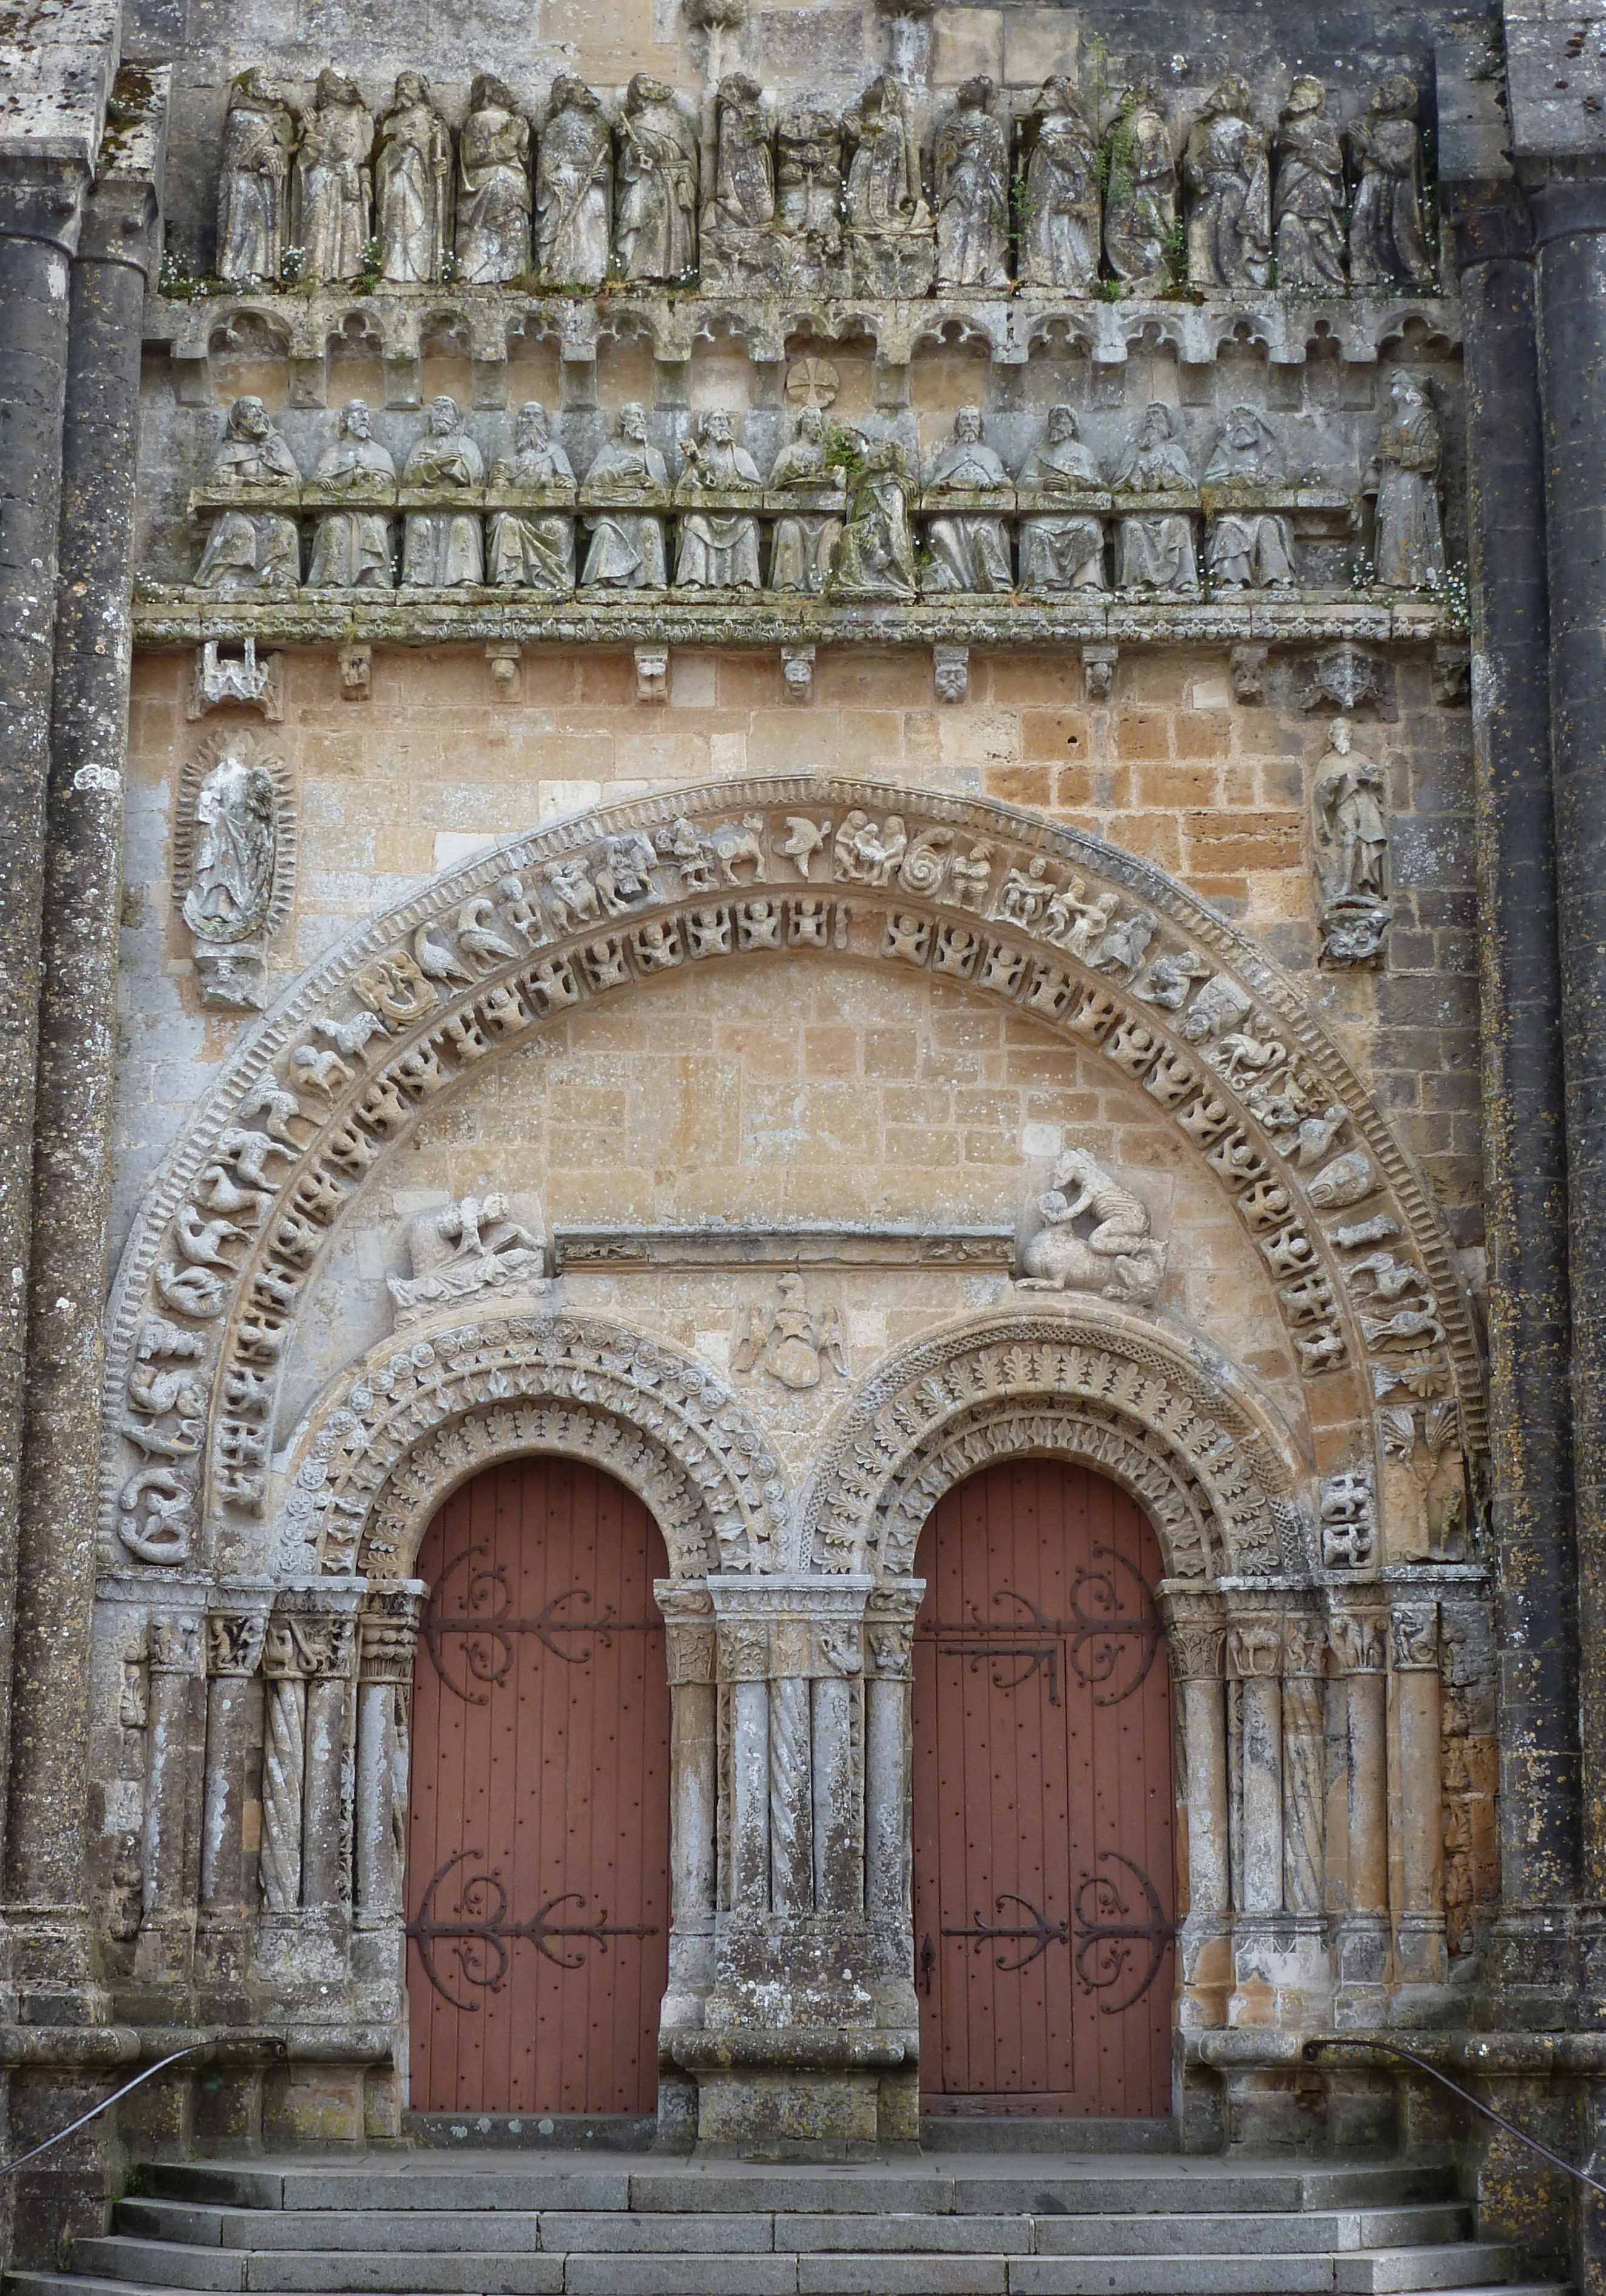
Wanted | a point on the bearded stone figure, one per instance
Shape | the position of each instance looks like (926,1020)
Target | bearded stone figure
(657,225)
(1228,175)
(413,184)
(333,206)
(1155,547)
(1061,551)
(1248,548)
(574,189)
(626,551)
(258,135)
(493,187)
(1139,206)
(442,549)
(800,554)
(970,162)
(353,547)
(533,549)
(969,550)
(248,549)
(1310,194)
(1387,241)
(1403,476)
(719,549)
(744,185)
(1059,235)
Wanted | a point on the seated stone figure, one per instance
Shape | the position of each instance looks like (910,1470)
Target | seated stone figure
(351,550)
(1154,549)
(626,551)
(875,556)
(1249,547)
(252,549)
(969,550)
(1061,551)
(443,549)
(719,549)
(800,555)
(533,549)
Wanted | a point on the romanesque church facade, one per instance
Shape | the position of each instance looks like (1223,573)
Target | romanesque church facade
(803,1154)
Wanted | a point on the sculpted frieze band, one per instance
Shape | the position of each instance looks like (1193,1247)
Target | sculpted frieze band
(1105,952)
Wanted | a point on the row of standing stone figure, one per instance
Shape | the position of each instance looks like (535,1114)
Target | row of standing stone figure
(409,206)
(866,549)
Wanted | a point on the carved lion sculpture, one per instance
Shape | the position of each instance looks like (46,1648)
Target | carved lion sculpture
(1118,1258)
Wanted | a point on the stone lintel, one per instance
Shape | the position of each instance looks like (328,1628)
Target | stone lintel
(805,1242)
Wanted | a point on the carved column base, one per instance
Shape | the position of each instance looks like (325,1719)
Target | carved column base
(1280,1973)
(1205,1972)
(1362,1956)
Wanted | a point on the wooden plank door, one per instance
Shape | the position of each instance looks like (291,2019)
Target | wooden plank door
(537,1845)
(1044,1801)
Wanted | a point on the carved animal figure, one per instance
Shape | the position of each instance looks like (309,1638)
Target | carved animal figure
(1120,1257)
(350,1036)
(736,846)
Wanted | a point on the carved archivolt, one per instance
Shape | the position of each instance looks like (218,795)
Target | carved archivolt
(1099,948)
(1214,1476)
(398,1432)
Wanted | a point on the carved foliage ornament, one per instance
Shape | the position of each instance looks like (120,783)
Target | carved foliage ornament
(1099,948)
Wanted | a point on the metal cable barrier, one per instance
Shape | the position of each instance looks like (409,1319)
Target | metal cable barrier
(195,2049)
(1410,2057)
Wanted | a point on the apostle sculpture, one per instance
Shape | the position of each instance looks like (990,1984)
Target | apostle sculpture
(1249,547)
(889,223)
(1140,203)
(1410,541)
(800,554)
(1059,230)
(657,225)
(1154,549)
(969,548)
(443,549)
(970,165)
(718,549)
(1309,209)
(741,207)
(493,187)
(351,549)
(413,185)
(1061,551)
(1229,179)
(250,549)
(258,135)
(1387,241)
(332,203)
(533,549)
(626,550)
(574,189)
(875,556)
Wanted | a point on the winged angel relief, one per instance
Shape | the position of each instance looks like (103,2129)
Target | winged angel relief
(790,1342)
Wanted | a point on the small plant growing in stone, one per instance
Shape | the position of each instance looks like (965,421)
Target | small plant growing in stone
(176,281)
(292,265)
(1453,590)
(372,262)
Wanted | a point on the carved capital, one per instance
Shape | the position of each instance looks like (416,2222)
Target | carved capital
(233,1642)
(744,1649)
(890,1644)
(173,1646)
(1255,1650)
(387,1637)
(1357,1641)
(1415,1637)
(690,1651)
(1304,1643)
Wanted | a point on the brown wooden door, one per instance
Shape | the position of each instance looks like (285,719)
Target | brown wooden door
(537,1845)
(1044,1801)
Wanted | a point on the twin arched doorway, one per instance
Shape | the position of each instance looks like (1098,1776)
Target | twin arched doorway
(1044,1800)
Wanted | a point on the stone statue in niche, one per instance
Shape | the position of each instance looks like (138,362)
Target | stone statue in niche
(969,550)
(252,550)
(1228,174)
(228,863)
(1309,212)
(333,201)
(790,1342)
(1140,201)
(258,135)
(718,549)
(574,189)
(1063,551)
(971,163)
(1095,1235)
(1388,240)
(351,549)
(1409,548)
(1351,830)
(464,1250)
(1059,231)
(809,189)
(626,551)
(533,549)
(875,556)
(442,549)
(413,185)
(493,187)
(1154,549)
(741,208)
(657,225)
(893,243)
(1248,548)
(800,553)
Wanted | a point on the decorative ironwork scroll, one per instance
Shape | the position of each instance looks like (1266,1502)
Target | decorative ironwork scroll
(483,1631)
(1108,1641)
(1032,1939)
(481,1933)
(1113,1944)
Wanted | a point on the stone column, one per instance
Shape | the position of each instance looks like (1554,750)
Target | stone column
(41,202)
(1195,1631)
(1567,197)
(1419,1693)
(791,1768)
(387,1642)
(329,1644)
(1356,1638)
(173,1771)
(234,1722)
(78,1031)
(1524,1132)
(1304,1655)
(743,1652)
(693,1793)
(1254,1661)
(837,1667)
(283,1767)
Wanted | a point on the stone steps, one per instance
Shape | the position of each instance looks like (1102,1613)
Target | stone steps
(963,2224)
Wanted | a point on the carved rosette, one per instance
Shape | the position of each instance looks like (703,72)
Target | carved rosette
(231,1238)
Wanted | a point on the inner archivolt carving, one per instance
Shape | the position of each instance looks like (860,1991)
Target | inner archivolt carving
(1097,948)
(396,1435)
(1210,1475)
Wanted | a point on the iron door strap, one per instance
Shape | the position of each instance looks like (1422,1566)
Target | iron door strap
(1115,1943)
(1108,1641)
(484,1631)
(481,1932)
